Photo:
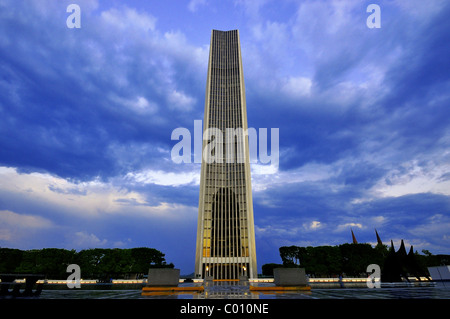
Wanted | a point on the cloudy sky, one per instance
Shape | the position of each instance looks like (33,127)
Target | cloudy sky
(86,116)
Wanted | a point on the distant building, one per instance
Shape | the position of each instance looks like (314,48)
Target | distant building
(225,233)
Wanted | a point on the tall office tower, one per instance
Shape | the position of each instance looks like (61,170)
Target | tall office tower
(225,234)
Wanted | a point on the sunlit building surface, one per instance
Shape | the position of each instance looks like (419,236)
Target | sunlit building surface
(225,234)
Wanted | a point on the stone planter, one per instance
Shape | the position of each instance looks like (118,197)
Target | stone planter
(290,277)
(163,277)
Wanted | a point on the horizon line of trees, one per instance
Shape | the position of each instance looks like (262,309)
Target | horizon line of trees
(96,263)
(345,259)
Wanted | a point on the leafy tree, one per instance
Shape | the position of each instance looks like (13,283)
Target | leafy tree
(143,257)
(426,252)
(28,263)
(290,255)
(53,262)
(351,259)
(322,260)
(89,262)
(10,259)
(97,263)
(115,262)
(107,263)
(356,258)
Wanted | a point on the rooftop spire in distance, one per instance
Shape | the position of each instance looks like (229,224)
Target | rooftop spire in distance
(353,237)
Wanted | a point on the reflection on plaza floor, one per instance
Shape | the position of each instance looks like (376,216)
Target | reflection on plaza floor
(241,290)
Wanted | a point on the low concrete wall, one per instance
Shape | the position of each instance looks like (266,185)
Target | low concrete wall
(163,277)
(290,277)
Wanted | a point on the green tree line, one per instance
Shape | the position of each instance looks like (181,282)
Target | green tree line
(97,263)
(346,259)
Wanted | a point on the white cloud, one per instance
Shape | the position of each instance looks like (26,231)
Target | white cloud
(128,18)
(268,176)
(92,199)
(164,178)
(261,169)
(195,4)
(314,225)
(419,9)
(297,87)
(252,8)
(414,178)
(347,226)
(180,101)
(14,226)
(82,239)
(23,221)
(378,220)
(138,104)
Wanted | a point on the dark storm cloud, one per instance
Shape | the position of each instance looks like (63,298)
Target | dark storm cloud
(76,99)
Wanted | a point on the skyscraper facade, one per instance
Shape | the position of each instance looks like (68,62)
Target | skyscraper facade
(225,233)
